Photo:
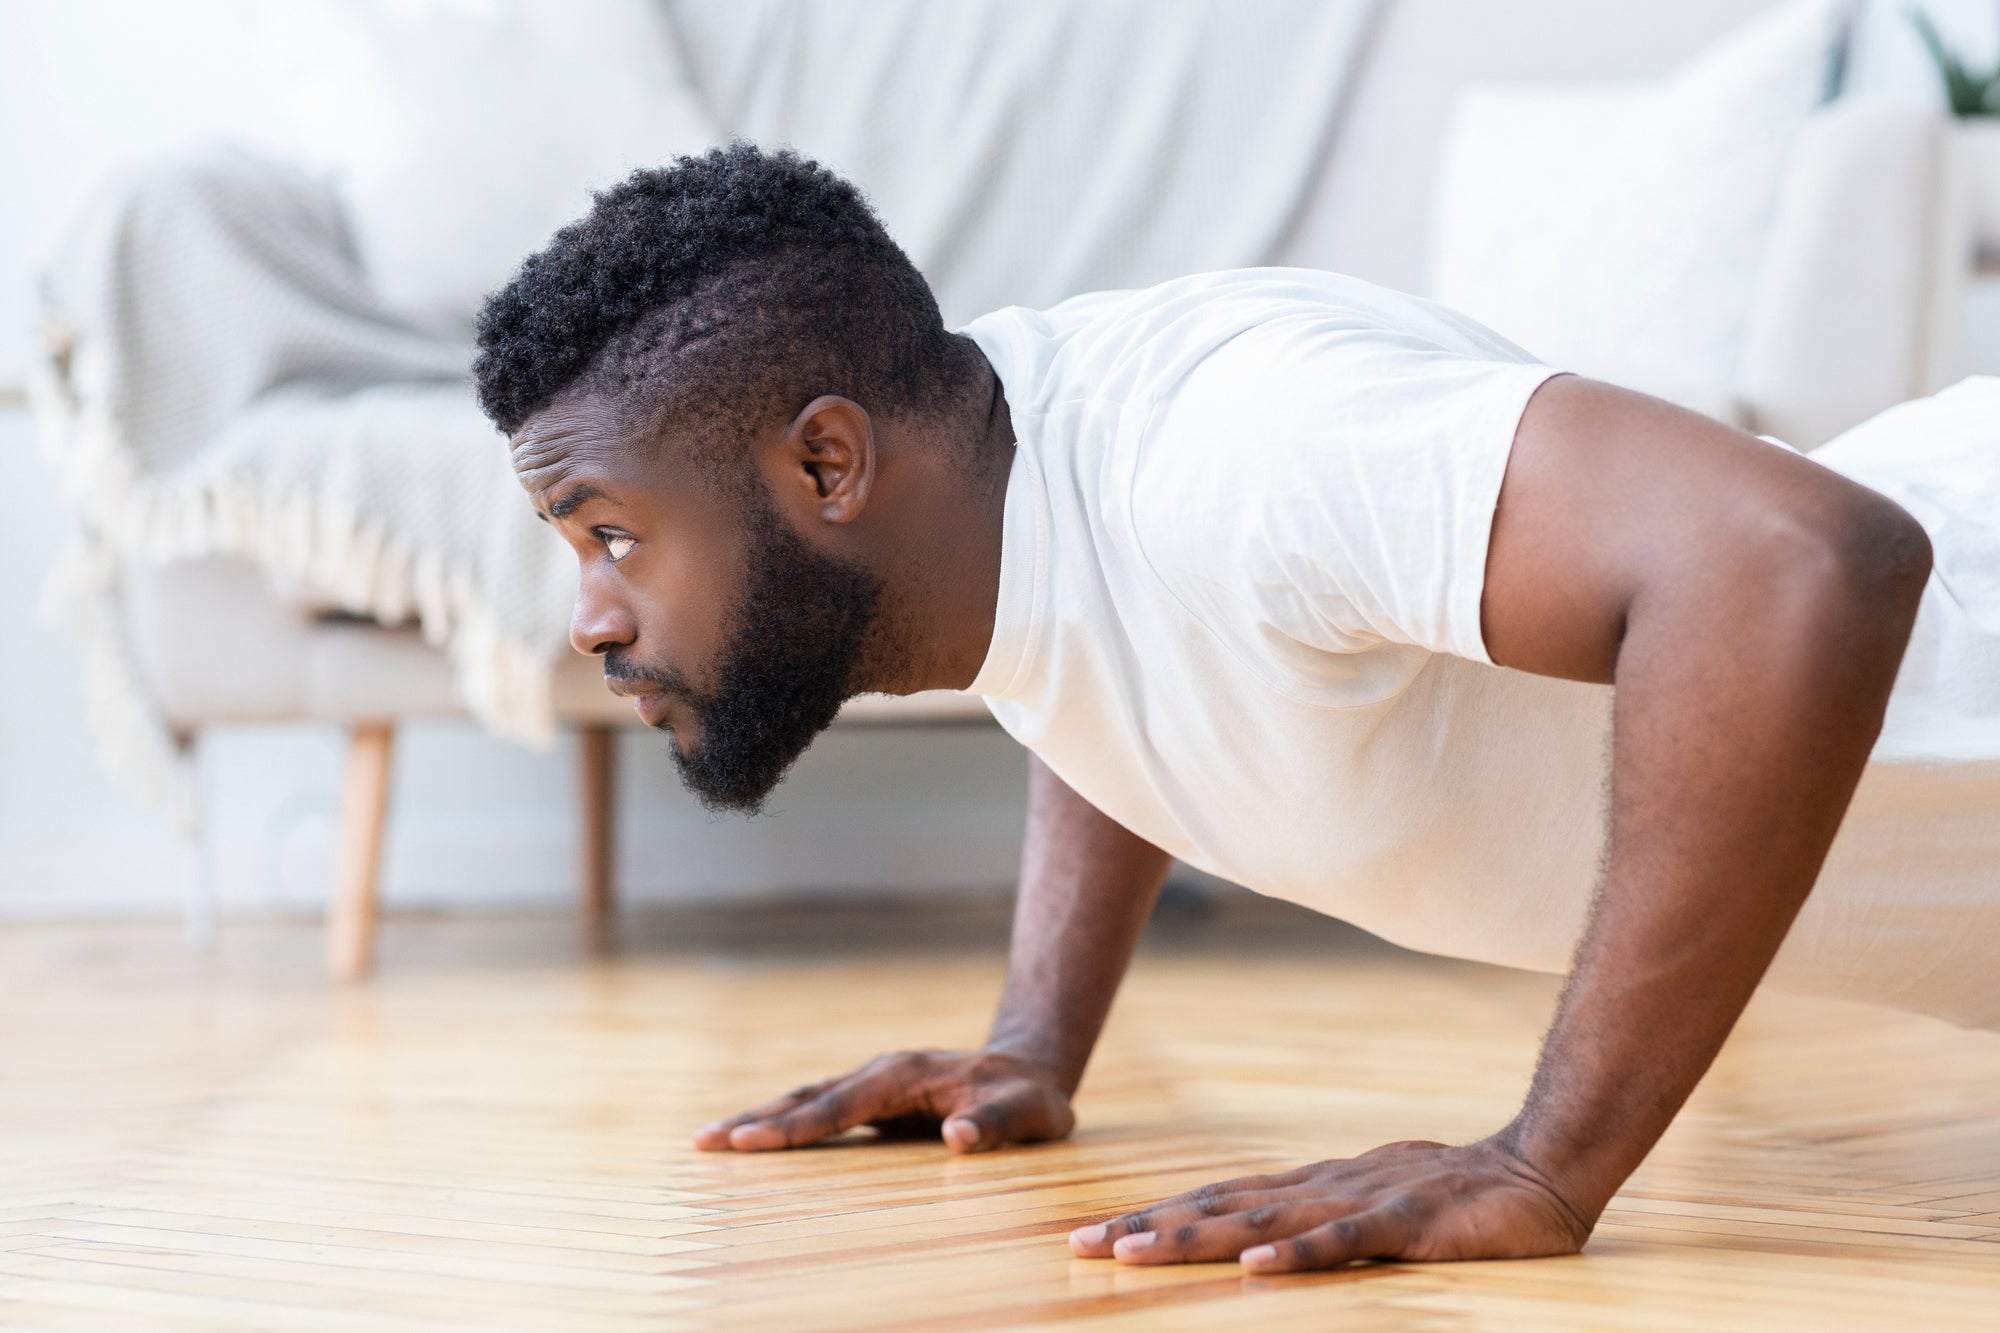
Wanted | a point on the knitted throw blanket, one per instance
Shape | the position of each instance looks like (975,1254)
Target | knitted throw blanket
(219,381)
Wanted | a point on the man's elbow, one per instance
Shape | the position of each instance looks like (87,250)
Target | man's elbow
(1859,565)
(1883,555)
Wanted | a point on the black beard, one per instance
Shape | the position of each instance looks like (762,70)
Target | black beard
(792,647)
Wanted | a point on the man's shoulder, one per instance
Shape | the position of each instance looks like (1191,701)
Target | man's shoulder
(1250,332)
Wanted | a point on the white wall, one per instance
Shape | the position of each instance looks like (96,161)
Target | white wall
(87,84)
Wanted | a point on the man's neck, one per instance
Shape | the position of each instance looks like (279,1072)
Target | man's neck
(946,610)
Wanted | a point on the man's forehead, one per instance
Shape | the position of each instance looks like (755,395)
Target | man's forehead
(566,441)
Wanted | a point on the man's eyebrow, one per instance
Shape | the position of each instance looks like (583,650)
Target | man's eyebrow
(571,501)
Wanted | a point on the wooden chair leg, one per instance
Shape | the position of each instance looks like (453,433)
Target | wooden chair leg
(364,807)
(594,788)
(192,832)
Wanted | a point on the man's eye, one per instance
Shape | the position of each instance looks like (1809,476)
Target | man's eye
(617,544)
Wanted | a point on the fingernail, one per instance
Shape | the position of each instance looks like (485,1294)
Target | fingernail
(1090,1235)
(1263,1254)
(961,1133)
(1132,1244)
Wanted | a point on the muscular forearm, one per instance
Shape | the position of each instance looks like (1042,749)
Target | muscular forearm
(1747,702)
(1087,887)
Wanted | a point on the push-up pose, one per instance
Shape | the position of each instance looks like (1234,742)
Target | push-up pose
(1316,586)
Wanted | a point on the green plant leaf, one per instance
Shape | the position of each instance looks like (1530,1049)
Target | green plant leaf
(1967,93)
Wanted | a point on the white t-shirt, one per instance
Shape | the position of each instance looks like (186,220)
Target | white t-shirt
(1244,545)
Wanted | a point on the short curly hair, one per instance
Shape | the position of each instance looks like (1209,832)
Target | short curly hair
(715,293)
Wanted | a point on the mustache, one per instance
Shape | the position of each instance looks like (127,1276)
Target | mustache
(619,671)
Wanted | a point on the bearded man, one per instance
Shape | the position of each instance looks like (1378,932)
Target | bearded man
(1316,586)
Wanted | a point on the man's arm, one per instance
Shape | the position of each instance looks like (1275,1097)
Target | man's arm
(1087,887)
(1752,608)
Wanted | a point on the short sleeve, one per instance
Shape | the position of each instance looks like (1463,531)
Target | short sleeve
(1324,484)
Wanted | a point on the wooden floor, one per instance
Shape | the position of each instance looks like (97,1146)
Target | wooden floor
(493,1135)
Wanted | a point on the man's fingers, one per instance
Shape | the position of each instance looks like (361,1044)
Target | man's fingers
(1023,1113)
(1221,1237)
(715,1137)
(1096,1242)
(1378,1233)
(1217,1200)
(853,1101)
(976,1101)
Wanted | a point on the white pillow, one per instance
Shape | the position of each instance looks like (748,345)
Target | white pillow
(1618,230)
(461,133)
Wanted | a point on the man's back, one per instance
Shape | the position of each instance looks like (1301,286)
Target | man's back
(1239,613)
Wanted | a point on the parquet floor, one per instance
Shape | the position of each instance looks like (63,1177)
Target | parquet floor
(493,1135)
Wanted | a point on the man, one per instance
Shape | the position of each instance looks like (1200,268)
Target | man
(1311,584)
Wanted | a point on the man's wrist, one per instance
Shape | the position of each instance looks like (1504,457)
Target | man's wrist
(1063,1067)
(1582,1173)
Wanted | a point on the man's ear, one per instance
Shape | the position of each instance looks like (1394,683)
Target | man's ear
(826,460)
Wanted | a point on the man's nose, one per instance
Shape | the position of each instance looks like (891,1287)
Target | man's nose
(599,624)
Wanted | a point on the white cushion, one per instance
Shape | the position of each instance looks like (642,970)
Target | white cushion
(1842,319)
(462,133)
(1618,230)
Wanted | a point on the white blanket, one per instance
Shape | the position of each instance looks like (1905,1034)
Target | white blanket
(221,381)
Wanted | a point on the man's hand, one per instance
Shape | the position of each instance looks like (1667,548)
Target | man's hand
(978,1099)
(1087,885)
(1404,1201)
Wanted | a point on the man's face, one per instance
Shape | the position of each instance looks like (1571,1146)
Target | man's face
(725,627)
